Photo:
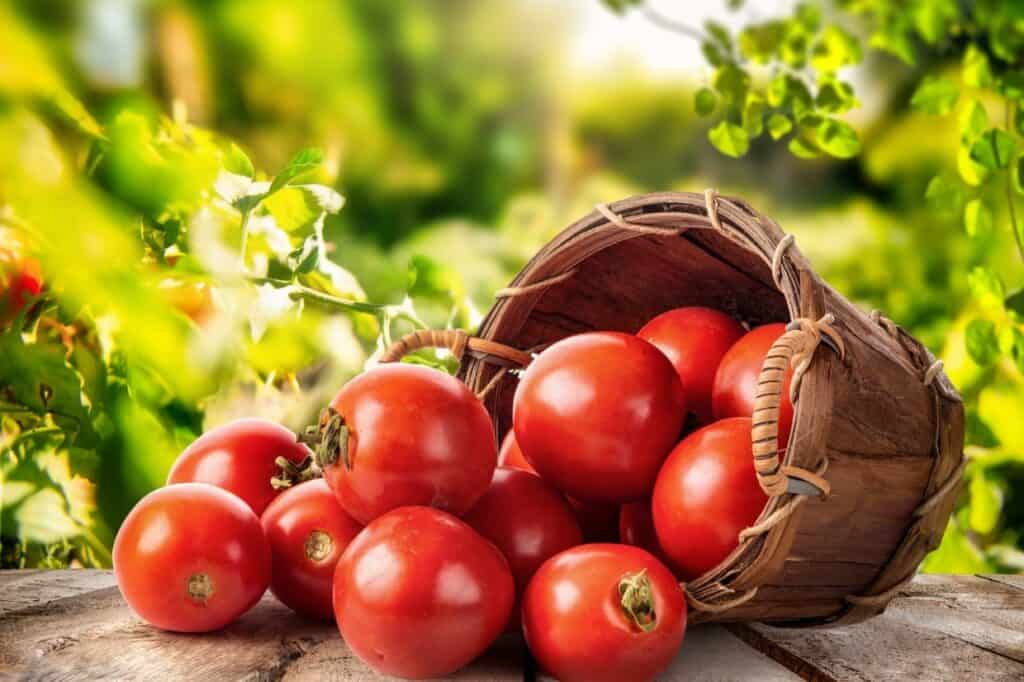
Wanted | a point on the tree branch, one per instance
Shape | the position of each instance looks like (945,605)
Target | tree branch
(671,24)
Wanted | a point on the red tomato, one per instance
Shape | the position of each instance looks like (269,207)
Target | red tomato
(415,436)
(694,340)
(707,492)
(191,558)
(596,414)
(308,531)
(240,457)
(22,282)
(598,522)
(528,520)
(604,612)
(736,379)
(636,527)
(420,594)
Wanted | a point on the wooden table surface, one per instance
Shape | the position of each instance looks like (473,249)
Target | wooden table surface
(73,625)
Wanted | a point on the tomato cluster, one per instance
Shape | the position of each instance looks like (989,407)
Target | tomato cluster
(424,544)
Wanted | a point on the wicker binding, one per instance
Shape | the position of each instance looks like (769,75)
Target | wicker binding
(875,458)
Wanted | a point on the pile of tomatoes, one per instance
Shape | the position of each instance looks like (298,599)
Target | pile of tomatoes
(628,470)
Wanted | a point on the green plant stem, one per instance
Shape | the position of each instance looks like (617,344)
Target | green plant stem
(1009,189)
(245,239)
(300,292)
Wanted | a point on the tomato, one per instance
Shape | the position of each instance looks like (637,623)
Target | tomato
(191,558)
(308,531)
(707,492)
(636,527)
(694,339)
(604,612)
(419,593)
(598,522)
(192,299)
(596,414)
(528,520)
(411,436)
(736,380)
(21,282)
(241,458)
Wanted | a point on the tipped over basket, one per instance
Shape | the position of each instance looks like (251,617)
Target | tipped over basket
(875,460)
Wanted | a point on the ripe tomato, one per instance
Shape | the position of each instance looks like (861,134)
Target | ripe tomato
(736,380)
(694,340)
(604,612)
(21,281)
(191,558)
(241,458)
(528,520)
(418,593)
(412,436)
(596,414)
(636,527)
(598,522)
(707,492)
(308,531)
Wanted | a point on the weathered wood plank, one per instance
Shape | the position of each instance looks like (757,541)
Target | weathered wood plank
(26,589)
(940,627)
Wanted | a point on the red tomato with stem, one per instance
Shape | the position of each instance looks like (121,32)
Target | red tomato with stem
(707,492)
(419,593)
(694,340)
(636,527)
(308,531)
(598,522)
(528,520)
(596,414)
(242,457)
(191,558)
(406,435)
(604,612)
(736,379)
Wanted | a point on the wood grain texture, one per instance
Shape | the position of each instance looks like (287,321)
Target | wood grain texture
(938,628)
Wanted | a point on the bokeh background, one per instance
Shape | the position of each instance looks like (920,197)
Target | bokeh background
(156,284)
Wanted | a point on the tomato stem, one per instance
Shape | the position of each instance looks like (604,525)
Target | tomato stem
(291,473)
(329,438)
(200,587)
(319,545)
(636,597)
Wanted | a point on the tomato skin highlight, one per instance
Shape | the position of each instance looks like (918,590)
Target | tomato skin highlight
(416,436)
(598,522)
(420,594)
(239,457)
(308,531)
(735,386)
(191,558)
(528,520)
(595,414)
(576,628)
(707,492)
(694,339)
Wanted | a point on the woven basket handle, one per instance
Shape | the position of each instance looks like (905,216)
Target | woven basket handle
(458,342)
(795,347)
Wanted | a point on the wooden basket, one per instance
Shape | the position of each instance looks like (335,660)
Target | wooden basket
(875,416)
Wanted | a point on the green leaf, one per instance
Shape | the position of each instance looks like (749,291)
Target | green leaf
(982,343)
(971,172)
(978,432)
(894,37)
(719,34)
(1015,302)
(956,554)
(808,16)
(620,6)
(993,149)
(753,115)
(932,17)
(714,55)
(803,148)
(987,287)
(835,97)
(304,259)
(835,49)
(778,125)
(978,218)
(704,102)
(838,139)
(730,139)
(935,95)
(944,195)
(976,70)
(72,109)
(236,161)
(789,91)
(973,120)
(429,279)
(760,43)
(732,84)
(303,162)
(1018,174)
(1014,343)
(986,502)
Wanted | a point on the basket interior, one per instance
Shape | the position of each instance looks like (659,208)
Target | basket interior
(623,285)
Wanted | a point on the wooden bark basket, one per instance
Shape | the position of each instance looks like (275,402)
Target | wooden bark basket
(875,458)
